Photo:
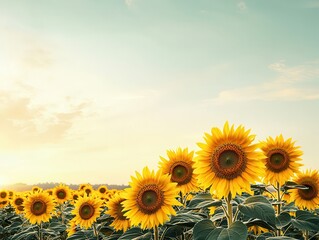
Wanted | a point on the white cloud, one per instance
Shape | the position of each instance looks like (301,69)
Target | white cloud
(287,86)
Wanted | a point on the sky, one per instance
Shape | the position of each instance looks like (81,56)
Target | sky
(94,90)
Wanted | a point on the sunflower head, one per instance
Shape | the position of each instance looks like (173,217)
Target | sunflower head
(61,193)
(38,207)
(306,198)
(4,195)
(228,161)
(180,167)
(281,159)
(102,189)
(36,189)
(149,200)
(17,203)
(86,210)
(115,210)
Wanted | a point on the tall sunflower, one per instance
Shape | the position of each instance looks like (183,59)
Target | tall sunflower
(4,195)
(180,167)
(102,189)
(17,203)
(115,209)
(38,207)
(281,159)
(149,200)
(86,210)
(306,198)
(228,161)
(61,193)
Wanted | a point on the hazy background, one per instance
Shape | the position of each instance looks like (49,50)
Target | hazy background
(92,91)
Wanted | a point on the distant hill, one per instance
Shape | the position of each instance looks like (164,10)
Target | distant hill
(20,187)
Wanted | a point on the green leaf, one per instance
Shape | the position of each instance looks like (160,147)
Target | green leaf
(293,185)
(136,233)
(281,238)
(205,230)
(202,228)
(258,207)
(306,221)
(203,200)
(283,220)
(236,231)
(188,219)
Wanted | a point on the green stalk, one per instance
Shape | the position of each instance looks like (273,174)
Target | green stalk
(278,206)
(156,234)
(229,210)
(95,232)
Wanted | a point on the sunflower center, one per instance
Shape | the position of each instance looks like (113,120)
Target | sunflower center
(61,194)
(18,201)
(228,161)
(88,191)
(277,160)
(102,190)
(3,194)
(86,211)
(150,198)
(310,193)
(119,211)
(181,172)
(38,207)
(75,197)
(20,208)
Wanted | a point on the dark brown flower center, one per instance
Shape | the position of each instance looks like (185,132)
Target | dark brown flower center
(311,192)
(3,194)
(38,207)
(277,160)
(228,161)
(20,208)
(119,211)
(102,190)
(61,194)
(86,211)
(181,172)
(18,201)
(88,191)
(150,198)
(75,197)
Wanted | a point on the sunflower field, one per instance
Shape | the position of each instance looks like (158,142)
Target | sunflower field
(232,188)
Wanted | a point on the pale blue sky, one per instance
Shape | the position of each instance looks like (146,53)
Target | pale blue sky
(94,90)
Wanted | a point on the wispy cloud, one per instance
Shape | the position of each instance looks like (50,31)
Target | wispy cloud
(24,124)
(287,86)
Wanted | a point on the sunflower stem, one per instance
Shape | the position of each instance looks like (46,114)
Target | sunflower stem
(278,206)
(156,235)
(181,196)
(40,232)
(306,235)
(229,210)
(95,232)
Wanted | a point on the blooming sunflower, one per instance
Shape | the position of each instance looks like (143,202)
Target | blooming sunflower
(228,162)
(115,209)
(38,207)
(4,195)
(149,200)
(36,189)
(102,189)
(306,198)
(61,193)
(180,167)
(17,203)
(281,159)
(86,210)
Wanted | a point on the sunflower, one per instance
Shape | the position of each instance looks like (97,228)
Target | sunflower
(306,198)
(36,189)
(86,210)
(17,203)
(102,189)
(149,200)
(228,162)
(61,193)
(4,195)
(115,209)
(180,167)
(38,207)
(281,159)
